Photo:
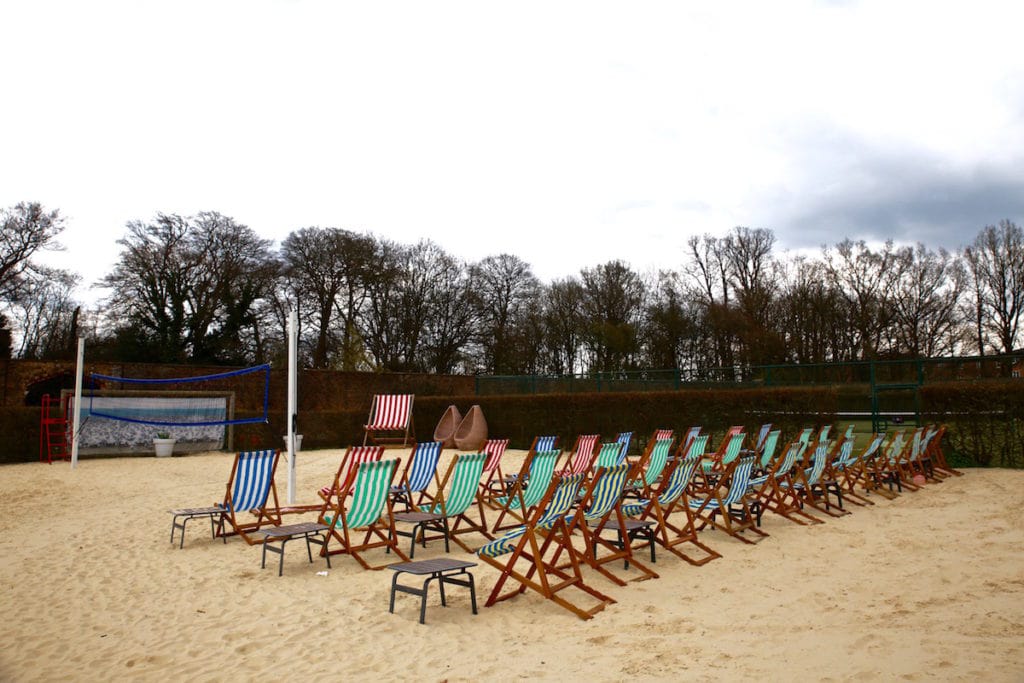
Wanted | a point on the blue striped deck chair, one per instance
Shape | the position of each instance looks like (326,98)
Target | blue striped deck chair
(655,519)
(250,489)
(842,458)
(456,494)
(419,471)
(762,435)
(533,544)
(602,501)
(527,490)
(624,438)
(691,434)
(731,513)
(364,520)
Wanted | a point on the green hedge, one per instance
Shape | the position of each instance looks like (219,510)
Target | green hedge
(985,420)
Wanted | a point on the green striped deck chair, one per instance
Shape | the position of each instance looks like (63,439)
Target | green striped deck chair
(653,464)
(666,519)
(775,491)
(602,502)
(525,553)
(610,455)
(809,486)
(250,489)
(768,450)
(527,490)
(725,456)
(364,520)
(457,492)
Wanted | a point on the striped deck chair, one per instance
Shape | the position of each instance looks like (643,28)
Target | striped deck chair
(715,463)
(624,438)
(774,490)
(652,463)
(691,434)
(390,414)
(883,471)
(767,451)
(366,514)
(831,478)
(811,485)
(610,455)
(420,469)
(762,435)
(805,435)
(350,462)
(854,471)
(602,501)
(456,493)
(924,458)
(530,543)
(250,489)
(731,513)
(540,444)
(652,519)
(492,481)
(528,489)
(582,456)
(937,456)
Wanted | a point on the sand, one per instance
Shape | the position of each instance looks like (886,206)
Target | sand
(929,586)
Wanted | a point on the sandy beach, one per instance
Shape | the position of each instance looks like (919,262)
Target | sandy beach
(929,586)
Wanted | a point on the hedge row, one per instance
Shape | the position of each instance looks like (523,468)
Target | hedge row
(985,419)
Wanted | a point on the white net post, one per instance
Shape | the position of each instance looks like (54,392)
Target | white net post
(292,401)
(76,421)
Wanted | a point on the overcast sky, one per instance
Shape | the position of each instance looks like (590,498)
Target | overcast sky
(568,133)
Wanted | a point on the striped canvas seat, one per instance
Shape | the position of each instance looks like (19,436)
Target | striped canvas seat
(610,455)
(421,469)
(542,469)
(583,454)
(655,464)
(561,502)
(725,458)
(732,513)
(673,488)
(367,513)
(452,502)
(350,462)
(624,438)
(390,413)
(250,489)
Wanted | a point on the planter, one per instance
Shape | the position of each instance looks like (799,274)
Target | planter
(298,442)
(164,447)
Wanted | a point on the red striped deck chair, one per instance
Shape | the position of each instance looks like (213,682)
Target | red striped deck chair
(492,481)
(353,458)
(390,414)
(582,455)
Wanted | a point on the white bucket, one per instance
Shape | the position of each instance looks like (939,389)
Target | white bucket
(298,442)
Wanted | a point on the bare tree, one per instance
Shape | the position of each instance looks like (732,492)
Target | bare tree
(564,326)
(47,314)
(996,267)
(613,301)
(24,229)
(506,291)
(926,302)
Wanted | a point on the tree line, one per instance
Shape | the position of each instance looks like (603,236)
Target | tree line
(207,289)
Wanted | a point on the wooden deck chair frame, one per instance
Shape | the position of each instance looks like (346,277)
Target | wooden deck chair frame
(545,530)
(809,485)
(241,494)
(670,498)
(364,505)
(852,472)
(390,414)
(353,457)
(732,512)
(458,487)
(779,492)
(602,502)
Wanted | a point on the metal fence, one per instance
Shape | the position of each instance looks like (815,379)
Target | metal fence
(879,375)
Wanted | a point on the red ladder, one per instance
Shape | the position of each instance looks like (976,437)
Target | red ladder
(53,432)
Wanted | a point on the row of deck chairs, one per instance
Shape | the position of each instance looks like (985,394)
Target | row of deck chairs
(610,505)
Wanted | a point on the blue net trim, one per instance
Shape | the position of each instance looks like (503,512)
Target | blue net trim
(265,368)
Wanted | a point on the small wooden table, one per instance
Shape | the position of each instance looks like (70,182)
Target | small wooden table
(311,531)
(444,570)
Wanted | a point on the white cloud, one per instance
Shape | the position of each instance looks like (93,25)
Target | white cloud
(567,133)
